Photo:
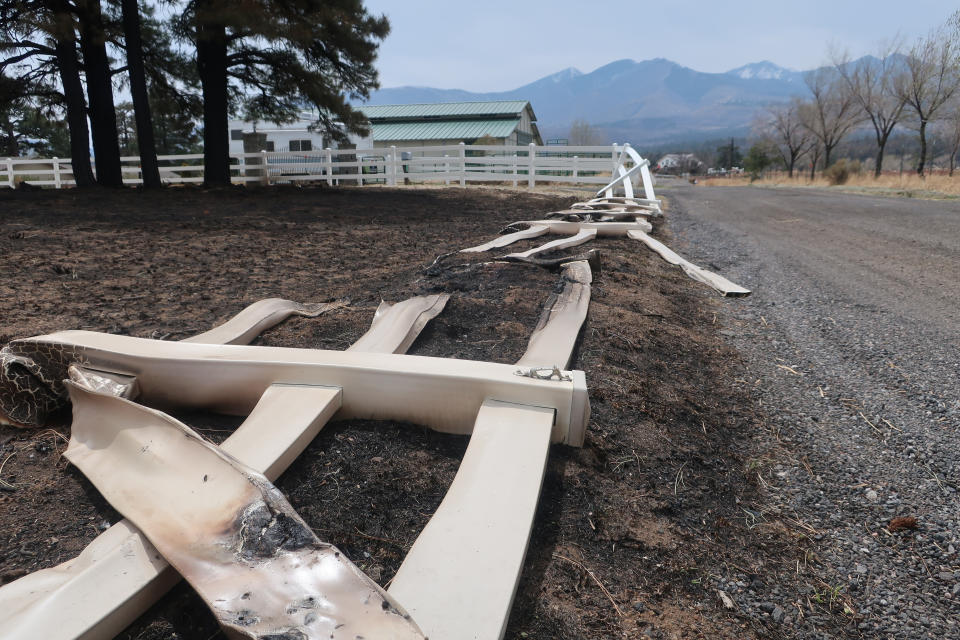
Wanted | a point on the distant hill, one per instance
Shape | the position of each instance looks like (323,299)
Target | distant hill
(652,101)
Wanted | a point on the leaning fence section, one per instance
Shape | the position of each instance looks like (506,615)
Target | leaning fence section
(459,164)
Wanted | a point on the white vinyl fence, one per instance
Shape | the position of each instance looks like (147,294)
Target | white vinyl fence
(452,164)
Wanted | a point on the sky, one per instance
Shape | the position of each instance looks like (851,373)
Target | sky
(496,45)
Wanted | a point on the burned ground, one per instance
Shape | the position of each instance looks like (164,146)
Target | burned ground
(631,528)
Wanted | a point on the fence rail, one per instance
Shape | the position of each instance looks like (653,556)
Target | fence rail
(449,164)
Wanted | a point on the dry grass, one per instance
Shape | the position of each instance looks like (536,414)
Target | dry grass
(908,185)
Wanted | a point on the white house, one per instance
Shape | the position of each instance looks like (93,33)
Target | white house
(292,136)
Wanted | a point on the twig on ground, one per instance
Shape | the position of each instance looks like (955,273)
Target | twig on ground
(872,426)
(790,369)
(595,579)
(678,479)
(388,541)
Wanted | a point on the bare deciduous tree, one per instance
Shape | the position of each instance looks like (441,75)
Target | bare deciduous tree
(871,82)
(931,78)
(950,131)
(781,125)
(582,133)
(832,111)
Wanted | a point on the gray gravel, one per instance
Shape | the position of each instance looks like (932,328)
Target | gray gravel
(850,343)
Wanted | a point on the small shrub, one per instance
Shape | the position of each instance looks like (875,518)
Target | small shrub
(841,170)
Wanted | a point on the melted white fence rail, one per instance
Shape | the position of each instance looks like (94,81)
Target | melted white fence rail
(225,528)
(524,165)
(533,231)
(396,326)
(624,176)
(439,393)
(260,316)
(553,340)
(709,278)
(120,574)
(585,235)
(459,579)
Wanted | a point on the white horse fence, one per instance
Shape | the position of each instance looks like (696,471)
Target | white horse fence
(448,164)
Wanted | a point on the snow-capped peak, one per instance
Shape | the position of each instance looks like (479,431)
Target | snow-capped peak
(764,70)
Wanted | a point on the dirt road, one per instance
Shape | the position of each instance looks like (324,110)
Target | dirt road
(851,348)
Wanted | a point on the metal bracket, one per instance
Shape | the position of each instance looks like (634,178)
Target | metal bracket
(544,373)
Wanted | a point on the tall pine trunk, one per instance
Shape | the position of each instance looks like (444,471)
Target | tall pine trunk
(69,69)
(138,91)
(212,66)
(103,116)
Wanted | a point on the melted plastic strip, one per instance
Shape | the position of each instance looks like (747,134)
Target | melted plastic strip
(709,278)
(260,316)
(603,228)
(581,237)
(535,230)
(553,340)
(225,528)
(460,577)
(395,327)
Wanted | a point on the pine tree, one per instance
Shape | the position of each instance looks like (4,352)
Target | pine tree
(273,58)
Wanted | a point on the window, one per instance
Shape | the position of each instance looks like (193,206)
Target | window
(301,145)
(236,134)
(269,145)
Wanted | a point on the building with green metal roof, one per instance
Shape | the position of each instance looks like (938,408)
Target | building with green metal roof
(509,122)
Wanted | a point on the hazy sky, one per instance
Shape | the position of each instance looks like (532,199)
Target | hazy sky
(490,45)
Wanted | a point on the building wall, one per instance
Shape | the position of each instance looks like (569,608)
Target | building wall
(282,134)
(406,144)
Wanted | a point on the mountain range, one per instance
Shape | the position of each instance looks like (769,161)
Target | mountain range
(650,102)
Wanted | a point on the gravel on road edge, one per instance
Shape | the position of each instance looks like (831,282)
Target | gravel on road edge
(859,434)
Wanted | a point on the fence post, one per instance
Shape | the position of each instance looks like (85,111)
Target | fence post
(614,157)
(531,165)
(393,165)
(463,164)
(328,165)
(514,171)
(576,170)
(266,169)
(10,173)
(446,169)
(56,173)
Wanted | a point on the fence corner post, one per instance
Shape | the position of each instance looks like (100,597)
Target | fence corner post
(392,179)
(463,164)
(531,165)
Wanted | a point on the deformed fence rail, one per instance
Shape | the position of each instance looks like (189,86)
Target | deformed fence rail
(524,165)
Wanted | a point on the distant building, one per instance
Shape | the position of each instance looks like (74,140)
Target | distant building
(291,136)
(679,163)
(508,122)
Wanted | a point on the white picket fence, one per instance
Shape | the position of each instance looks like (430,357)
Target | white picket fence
(451,164)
